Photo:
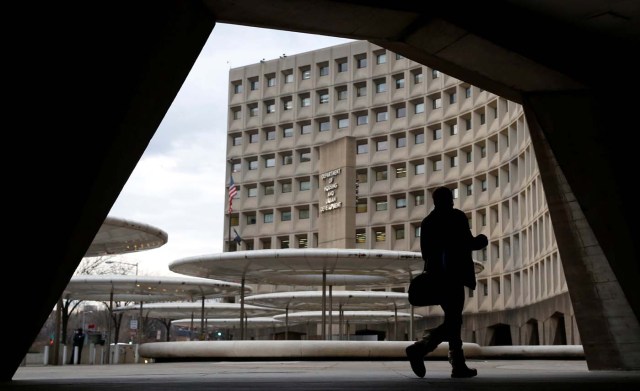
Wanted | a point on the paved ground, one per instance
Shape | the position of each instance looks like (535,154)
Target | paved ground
(494,375)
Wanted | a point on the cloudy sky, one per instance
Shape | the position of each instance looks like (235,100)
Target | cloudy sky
(179,184)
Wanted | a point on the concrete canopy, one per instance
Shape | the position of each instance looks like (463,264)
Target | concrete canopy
(120,236)
(348,316)
(208,309)
(147,288)
(255,322)
(353,267)
(347,300)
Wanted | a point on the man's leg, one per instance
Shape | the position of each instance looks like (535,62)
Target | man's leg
(453,322)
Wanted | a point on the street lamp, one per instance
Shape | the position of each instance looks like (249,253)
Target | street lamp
(125,263)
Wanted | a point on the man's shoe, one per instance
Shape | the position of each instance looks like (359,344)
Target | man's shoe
(459,366)
(416,353)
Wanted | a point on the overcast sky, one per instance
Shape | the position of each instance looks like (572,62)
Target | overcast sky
(179,184)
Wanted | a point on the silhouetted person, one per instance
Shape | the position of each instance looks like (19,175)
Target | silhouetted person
(446,243)
(78,341)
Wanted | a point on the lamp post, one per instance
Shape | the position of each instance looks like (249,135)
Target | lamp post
(125,263)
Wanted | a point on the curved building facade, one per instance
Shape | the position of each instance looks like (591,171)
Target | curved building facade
(406,129)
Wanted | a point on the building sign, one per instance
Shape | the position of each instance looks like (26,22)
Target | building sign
(330,187)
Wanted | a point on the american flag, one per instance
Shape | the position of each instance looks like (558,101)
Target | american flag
(233,190)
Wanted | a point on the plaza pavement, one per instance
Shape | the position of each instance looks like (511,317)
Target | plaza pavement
(494,375)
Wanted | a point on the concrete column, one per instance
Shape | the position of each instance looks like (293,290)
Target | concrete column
(591,209)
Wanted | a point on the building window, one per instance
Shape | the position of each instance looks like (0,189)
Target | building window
(399,82)
(254,84)
(435,74)
(237,113)
(305,156)
(401,203)
(381,174)
(287,159)
(305,128)
(483,151)
(251,219)
(381,85)
(436,103)
(253,164)
(401,142)
(401,112)
(303,214)
(361,236)
(343,123)
(362,147)
(469,157)
(453,129)
(286,187)
(419,108)
(269,189)
(418,77)
(252,191)
(401,172)
(361,61)
(382,116)
(288,77)
(483,185)
(467,92)
(342,93)
(254,138)
(270,135)
(361,89)
(267,218)
(381,206)
(381,235)
(437,134)
(361,176)
(399,56)
(381,58)
(467,123)
(287,132)
(305,73)
(382,145)
(417,232)
(343,65)
(324,126)
(361,206)
(453,160)
(419,199)
(253,111)
(453,97)
(437,165)
(362,119)
(237,140)
(483,119)
(455,193)
(237,88)
(305,100)
(419,170)
(399,233)
(419,138)
(271,80)
(305,185)
(470,189)
(271,107)
(287,103)
(236,167)
(270,162)
(324,69)
(323,97)
(285,215)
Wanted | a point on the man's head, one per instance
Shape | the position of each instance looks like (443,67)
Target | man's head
(442,197)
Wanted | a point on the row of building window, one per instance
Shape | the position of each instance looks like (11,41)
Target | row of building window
(323,69)
(341,93)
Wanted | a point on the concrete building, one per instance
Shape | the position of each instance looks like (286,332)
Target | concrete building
(341,148)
